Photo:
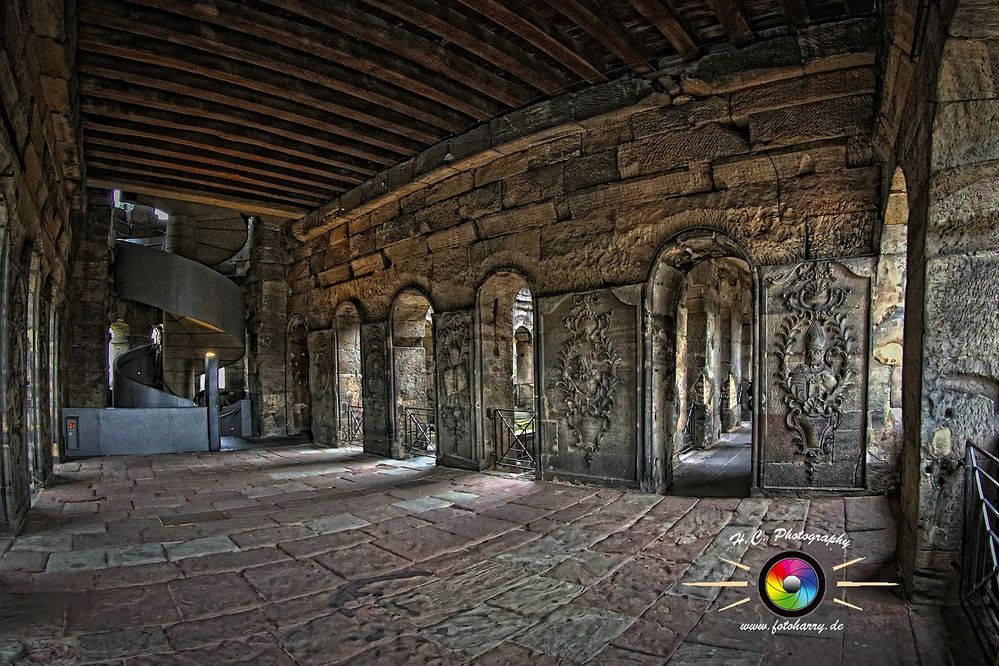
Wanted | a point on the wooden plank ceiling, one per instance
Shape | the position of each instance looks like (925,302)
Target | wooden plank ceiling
(277,106)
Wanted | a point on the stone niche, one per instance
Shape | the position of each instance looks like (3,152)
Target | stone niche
(322,354)
(590,381)
(814,367)
(453,331)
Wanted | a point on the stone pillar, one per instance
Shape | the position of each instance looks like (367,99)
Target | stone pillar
(266,302)
(951,345)
(212,400)
(119,342)
(747,359)
(90,305)
(699,384)
(735,353)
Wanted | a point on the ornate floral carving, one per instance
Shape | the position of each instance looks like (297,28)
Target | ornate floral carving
(453,334)
(813,343)
(586,374)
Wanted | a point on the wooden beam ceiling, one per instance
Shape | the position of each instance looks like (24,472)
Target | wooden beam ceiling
(277,106)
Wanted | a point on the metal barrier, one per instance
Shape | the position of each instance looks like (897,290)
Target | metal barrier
(695,412)
(980,559)
(420,432)
(352,425)
(513,439)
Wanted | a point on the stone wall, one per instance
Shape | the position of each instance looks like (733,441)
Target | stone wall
(768,145)
(41,205)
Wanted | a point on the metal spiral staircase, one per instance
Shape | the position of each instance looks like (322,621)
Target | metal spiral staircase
(203,312)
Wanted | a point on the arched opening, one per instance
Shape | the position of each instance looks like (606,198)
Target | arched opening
(505,327)
(33,373)
(413,386)
(297,396)
(702,350)
(884,394)
(55,372)
(350,419)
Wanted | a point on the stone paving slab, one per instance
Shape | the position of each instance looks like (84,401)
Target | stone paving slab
(308,555)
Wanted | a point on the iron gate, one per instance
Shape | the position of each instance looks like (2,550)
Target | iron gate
(352,425)
(514,438)
(419,431)
(980,565)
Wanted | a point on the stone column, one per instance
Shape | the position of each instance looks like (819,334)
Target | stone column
(951,346)
(90,305)
(266,302)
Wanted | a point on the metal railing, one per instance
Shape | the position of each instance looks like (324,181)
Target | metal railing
(352,425)
(419,431)
(695,411)
(513,439)
(980,559)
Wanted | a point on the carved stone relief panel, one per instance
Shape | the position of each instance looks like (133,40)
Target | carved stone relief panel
(454,384)
(590,378)
(322,385)
(16,442)
(814,358)
(377,388)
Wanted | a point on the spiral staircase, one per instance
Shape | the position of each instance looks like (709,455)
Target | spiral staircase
(203,312)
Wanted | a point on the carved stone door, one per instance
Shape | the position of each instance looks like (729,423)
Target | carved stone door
(814,372)
(454,387)
(591,380)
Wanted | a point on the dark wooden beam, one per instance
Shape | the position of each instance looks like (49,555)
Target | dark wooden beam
(142,54)
(669,23)
(604,30)
(129,167)
(166,148)
(95,151)
(518,25)
(337,48)
(216,92)
(234,135)
(730,15)
(245,57)
(795,11)
(369,29)
(185,192)
(238,123)
(452,26)
(200,140)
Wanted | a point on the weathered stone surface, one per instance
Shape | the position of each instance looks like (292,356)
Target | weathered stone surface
(676,149)
(574,632)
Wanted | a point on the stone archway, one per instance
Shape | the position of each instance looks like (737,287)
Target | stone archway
(413,374)
(349,374)
(505,371)
(694,340)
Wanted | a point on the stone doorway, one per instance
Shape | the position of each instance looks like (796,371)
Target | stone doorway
(350,419)
(702,337)
(413,384)
(507,421)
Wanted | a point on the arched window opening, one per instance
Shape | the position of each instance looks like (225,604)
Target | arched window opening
(350,419)
(506,368)
(413,386)
(702,353)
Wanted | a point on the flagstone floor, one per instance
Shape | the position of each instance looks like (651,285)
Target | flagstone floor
(304,555)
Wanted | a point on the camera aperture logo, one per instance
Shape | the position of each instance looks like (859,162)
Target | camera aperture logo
(791,584)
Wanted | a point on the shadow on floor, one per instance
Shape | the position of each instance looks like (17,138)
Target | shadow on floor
(724,470)
(246,443)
